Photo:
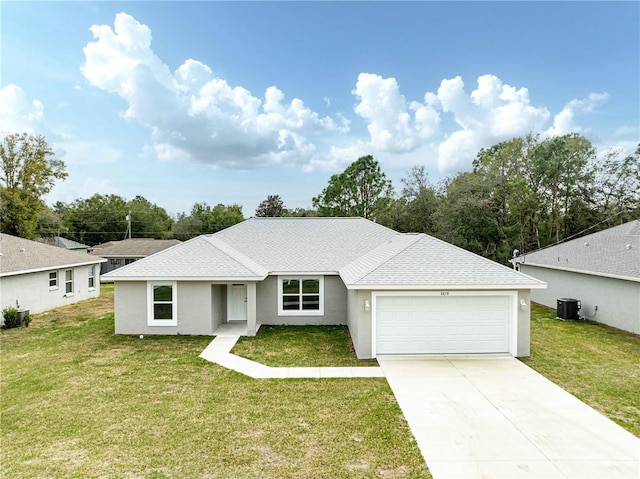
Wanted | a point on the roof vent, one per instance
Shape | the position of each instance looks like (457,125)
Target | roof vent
(586,245)
(629,246)
(22,250)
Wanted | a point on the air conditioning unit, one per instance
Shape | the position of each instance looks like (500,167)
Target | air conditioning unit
(568,309)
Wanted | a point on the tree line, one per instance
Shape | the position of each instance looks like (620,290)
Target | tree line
(525,193)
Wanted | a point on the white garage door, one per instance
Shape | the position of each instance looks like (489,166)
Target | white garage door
(442,324)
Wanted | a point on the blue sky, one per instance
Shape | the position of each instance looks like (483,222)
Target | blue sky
(228,102)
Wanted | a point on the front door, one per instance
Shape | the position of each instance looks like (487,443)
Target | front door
(237,302)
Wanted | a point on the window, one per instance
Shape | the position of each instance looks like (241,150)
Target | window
(115,261)
(68,281)
(92,277)
(53,280)
(129,260)
(300,296)
(162,304)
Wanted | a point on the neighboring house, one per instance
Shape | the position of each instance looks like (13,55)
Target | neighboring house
(121,253)
(38,277)
(65,243)
(398,293)
(602,270)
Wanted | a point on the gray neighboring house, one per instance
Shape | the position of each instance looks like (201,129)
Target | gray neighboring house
(121,253)
(398,293)
(602,270)
(40,277)
(65,243)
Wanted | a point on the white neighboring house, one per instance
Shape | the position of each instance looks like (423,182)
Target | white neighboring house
(602,270)
(38,277)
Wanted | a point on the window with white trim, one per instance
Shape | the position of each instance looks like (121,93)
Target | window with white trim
(68,281)
(53,280)
(162,307)
(92,277)
(300,295)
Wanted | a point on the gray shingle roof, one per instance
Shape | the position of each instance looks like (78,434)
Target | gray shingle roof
(305,244)
(19,255)
(611,252)
(266,245)
(132,248)
(61,242)
(422,260)
(362,252)
(200,257)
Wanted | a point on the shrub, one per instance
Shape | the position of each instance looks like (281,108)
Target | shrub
(12,318)
(10,315)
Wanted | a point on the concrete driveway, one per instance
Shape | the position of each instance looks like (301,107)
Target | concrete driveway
(494,417)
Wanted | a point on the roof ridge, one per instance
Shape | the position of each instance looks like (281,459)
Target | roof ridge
(251,264)
(350,272)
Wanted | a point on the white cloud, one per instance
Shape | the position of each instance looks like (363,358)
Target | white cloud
(627,131)
(193,114)
(393,124)
(17,113)
(563,122)
(491,113)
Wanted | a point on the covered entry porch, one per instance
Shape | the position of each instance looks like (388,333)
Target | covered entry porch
(234,309)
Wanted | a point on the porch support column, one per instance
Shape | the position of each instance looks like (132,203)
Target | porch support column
(251,309)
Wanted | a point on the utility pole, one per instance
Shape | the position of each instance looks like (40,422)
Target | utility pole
(128,233)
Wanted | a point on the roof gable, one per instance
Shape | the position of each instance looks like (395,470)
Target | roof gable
(19,256)
(420,259)
(200,257)
(611,252)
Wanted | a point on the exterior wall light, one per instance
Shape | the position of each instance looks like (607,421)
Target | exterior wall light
(367,305)
(523,304)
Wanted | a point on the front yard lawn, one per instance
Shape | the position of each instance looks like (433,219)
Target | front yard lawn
(286,346)
(596,363)
(78,401)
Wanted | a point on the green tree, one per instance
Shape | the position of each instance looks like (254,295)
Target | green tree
(421,200)
(103,218)
(361,190)
(149,220)
(301,212)
(271,207)
(205,219)
(541,191)
(28,172)
(49,224)
(617,187)
(97,219)
(466,216)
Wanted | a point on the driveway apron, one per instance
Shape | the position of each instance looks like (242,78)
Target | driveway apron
(494,417)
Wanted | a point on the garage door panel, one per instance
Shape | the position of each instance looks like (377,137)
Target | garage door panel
(441,325)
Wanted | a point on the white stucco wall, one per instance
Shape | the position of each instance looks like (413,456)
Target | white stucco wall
(197,315)
(32,290)
(335,304)
(617,300)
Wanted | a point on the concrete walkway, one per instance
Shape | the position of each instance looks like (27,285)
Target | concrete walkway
(478,417)
(219,352)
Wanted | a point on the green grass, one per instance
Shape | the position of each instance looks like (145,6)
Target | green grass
(78,401)
(287,346)
(596,363)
